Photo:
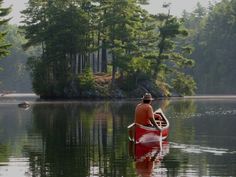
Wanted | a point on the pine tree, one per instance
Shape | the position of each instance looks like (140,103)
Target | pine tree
(172,58)
(3,20)
(62,29)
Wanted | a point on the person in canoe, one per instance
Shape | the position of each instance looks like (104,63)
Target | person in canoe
(144,112)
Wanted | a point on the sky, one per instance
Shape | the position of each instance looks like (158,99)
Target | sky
(154,7)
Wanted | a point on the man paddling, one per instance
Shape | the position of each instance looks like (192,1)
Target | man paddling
(144,112)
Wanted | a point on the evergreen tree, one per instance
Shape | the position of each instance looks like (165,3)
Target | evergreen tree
(15,76)
(78,35)
(62,30)
(126,23)
(172,59)
(3,20)
(213,37)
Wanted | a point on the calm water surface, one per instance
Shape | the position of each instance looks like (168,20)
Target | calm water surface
(90,139)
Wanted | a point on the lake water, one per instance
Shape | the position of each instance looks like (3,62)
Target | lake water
(89,138)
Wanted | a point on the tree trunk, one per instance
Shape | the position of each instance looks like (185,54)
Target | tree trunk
(104,56)
(93,56)
(113,71)
(76,64)
(98,54)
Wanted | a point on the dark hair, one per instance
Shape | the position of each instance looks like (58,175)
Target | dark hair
(146,101)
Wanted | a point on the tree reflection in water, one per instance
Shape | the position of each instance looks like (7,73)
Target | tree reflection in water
(80,139)
(91,139)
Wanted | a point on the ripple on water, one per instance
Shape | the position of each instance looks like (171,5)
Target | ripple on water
(200,149)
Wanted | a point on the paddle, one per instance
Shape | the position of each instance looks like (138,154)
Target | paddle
(160,138)
(159,123)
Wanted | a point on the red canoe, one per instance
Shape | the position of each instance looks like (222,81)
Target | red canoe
(143,134)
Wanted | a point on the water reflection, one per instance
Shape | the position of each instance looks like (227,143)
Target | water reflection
(85,139)
(147,157)
(91,139)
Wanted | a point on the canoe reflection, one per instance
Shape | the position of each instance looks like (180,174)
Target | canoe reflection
(148,156)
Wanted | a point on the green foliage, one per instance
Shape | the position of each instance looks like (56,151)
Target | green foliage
(184,84)
(61,38)
(4,46)
(213,36)
(75,36)
(172,57)
(139,64)
(15,76)
(39,77)
(162,80)
(86,81)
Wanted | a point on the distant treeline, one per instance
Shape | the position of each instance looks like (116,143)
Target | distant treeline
(106,48)
(14,76)
(213,36)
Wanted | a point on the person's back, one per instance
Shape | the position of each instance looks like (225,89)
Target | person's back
(143,114)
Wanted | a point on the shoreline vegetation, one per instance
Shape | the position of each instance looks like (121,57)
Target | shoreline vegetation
(94,56)
(33,95)
(100,87)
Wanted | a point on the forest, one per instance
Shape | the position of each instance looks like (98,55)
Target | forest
(112,48)
(213,36)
